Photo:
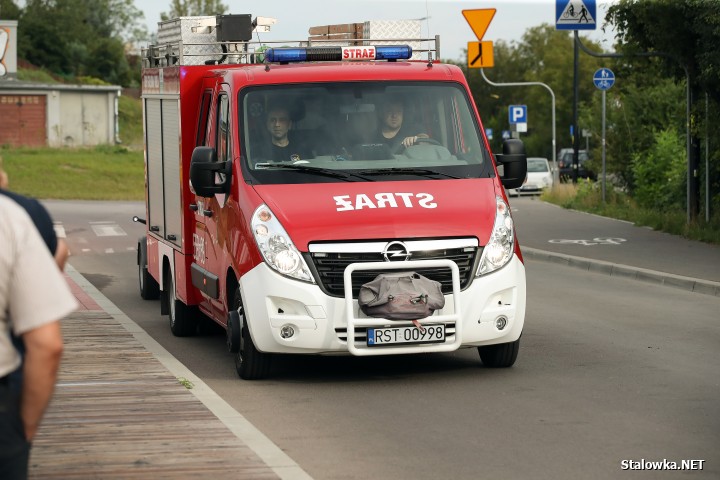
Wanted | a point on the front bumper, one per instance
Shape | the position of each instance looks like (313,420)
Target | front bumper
(321,323)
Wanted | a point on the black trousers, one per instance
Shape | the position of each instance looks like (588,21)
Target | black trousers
(14,447)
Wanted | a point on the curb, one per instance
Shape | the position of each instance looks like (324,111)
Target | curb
(705,287)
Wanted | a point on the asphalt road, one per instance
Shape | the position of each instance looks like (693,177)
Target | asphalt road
(610,369)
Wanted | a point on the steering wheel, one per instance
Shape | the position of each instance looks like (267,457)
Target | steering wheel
(428,140)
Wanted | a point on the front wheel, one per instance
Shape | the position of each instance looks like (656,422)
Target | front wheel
(250,363)
(502,355)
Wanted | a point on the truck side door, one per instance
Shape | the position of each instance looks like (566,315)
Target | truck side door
(210,228)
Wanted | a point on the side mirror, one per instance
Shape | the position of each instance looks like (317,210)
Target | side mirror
(204,168)
(514,163)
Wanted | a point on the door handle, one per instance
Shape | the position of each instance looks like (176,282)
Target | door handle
(207,213)
(172,237)
(193,207)
(154,228)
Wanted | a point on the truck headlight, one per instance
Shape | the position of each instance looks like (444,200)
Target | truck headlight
(276,247)
(499,250)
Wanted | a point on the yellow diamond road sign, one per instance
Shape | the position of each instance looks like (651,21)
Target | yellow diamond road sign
(480,55)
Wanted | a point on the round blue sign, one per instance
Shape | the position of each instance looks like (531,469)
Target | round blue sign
(604,78)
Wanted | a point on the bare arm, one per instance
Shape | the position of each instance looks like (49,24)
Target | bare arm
(407,141)
(44,348)
(61,253)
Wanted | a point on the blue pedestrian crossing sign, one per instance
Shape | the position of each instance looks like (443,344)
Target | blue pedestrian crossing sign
(575,15)
(506,134)
(604,78)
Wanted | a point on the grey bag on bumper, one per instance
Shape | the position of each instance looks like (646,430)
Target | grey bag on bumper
(401,296)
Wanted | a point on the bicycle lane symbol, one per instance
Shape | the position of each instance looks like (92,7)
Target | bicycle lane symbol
(594,241)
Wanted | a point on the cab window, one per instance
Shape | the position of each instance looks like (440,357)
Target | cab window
(222,141)
(373,130)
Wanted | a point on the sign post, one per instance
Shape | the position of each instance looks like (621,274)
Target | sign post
(480,54)
(575,15)
(604,78)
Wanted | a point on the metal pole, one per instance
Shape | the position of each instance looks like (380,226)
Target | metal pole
(556,172)
(707,161)
(603,146)
(689,152)
(576,100)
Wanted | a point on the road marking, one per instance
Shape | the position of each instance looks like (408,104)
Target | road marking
(109,250)
(107,229)
(594,241)
(59,230)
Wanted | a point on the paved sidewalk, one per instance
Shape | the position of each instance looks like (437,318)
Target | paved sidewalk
(121,411)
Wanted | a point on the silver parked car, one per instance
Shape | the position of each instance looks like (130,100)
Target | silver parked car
(539,177)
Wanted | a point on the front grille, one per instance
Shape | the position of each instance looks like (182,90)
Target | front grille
(330,267)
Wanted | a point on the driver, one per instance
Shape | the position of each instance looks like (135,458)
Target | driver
(393,131)
(281,148)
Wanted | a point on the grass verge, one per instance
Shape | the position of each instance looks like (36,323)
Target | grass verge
(587,197)
(100,173)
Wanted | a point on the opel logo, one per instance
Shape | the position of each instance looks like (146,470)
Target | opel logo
(396,252)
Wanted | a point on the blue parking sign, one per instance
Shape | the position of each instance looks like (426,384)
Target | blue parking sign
(517,114)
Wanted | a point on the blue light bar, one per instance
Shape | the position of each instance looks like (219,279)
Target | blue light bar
(393,52)
(285,55)
(334,54)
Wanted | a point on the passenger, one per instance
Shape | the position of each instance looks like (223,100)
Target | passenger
(281,148)
(34,293)
(393,131)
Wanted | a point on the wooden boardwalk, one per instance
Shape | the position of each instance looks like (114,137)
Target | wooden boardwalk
(118,413)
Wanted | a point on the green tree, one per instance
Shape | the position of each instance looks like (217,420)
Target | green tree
(189,8)
(80,37)
(9,10)
(642,103)
(687,32)
(543,55)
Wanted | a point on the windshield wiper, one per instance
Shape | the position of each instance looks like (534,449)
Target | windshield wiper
(304,168)
(421,172)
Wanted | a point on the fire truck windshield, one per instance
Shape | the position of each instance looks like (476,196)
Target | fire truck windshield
(391,129)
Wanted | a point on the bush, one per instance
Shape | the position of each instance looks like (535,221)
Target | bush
(660,181)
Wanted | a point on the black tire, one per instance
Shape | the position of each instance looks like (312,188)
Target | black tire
(183,321)
(149,287)
(502,355)
(250,363)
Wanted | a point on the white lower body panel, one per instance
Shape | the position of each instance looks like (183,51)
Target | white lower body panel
(320,323)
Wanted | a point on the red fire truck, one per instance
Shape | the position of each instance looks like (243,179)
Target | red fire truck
(280,180)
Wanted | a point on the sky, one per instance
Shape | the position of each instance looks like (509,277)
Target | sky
(442,17)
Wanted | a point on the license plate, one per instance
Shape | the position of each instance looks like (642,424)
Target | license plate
(405,335)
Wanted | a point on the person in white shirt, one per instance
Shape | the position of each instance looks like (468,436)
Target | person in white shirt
(34,296)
